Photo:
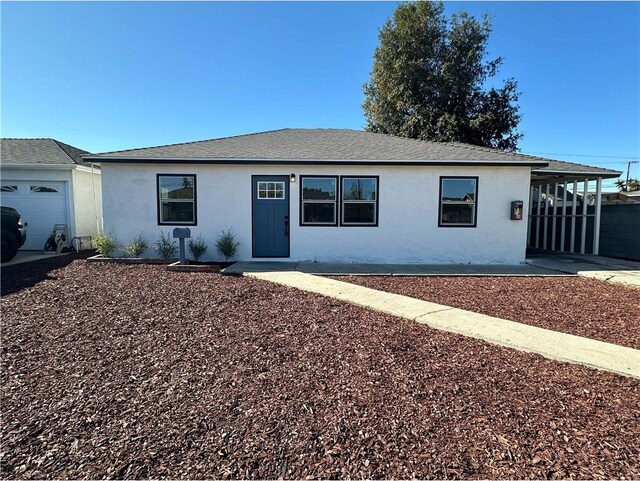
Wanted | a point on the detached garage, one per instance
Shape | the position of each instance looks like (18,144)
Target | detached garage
(48,183)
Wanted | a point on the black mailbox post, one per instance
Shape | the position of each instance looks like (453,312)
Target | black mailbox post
(182,233)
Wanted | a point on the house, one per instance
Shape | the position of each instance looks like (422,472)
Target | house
(331,195)
(48,183)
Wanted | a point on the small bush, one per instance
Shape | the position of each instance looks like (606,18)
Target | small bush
(105,244)
(227,245)
(137,246)
(166,247)
(197,247)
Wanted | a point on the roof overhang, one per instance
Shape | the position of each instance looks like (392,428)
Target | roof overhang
(83,168)
(361,162)
(549,176)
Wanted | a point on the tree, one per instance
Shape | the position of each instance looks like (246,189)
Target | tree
(428,81)
(628,186)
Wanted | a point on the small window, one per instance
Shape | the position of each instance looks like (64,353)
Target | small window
(458,196)
(9,188)
(359,201)
(318,200)
(176,199)
(270,190)
(41,188)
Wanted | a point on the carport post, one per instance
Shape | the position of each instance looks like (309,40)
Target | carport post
(529,216)
(596,225)
(583,234)
(539,190)
(564,212)
(546,219)
(572,247)
(553,226)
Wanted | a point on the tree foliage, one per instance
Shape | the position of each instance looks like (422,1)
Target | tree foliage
(428,81)
(631,185)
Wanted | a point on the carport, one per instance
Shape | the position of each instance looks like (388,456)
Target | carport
(564,202)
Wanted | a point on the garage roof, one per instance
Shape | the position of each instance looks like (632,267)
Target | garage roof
(39,151)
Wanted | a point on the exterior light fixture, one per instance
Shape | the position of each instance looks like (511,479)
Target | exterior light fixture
(293,177)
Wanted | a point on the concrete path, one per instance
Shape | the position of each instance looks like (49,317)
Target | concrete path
(597,267)
(550,344)
(30,256)
(324,268)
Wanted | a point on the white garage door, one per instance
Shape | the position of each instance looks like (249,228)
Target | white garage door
(41,204)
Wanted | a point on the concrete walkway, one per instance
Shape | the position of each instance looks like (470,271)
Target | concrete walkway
(550,344)
(597,267)
(30,256)
(324,268)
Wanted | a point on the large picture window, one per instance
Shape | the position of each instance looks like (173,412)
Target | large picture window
(458,197)
(359,201)
(318,200)
(176,199)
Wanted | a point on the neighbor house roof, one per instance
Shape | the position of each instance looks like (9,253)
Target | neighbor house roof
(39,151)
(325,146)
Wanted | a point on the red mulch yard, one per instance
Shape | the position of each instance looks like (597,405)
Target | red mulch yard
(575,305)
(116,371)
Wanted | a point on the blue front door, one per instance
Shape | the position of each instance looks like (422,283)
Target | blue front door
(270,215)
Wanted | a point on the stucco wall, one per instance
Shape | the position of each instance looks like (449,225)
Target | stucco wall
(408,229)
(88,211)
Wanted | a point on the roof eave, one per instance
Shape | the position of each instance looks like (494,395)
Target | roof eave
(263,161)
(609,174)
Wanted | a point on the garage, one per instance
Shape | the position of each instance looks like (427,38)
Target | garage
(42,204)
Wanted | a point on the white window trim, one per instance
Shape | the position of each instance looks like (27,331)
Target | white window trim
(343,202)
(319,201)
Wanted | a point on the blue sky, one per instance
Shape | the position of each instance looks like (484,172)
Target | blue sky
(108,76)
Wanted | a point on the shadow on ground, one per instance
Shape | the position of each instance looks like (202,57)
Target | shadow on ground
(14,278)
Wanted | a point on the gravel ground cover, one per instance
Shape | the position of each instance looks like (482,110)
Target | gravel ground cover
(574,305)
(117,371)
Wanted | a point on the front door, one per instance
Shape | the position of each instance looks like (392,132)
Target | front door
(270,215)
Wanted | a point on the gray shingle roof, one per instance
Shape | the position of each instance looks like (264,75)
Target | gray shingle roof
(39,151)
(306,145)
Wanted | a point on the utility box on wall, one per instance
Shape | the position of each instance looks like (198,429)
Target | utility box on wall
(516,210)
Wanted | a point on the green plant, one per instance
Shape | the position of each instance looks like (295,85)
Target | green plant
(166,247)
(105,244)
(197,247)
(227,244)
(137,246)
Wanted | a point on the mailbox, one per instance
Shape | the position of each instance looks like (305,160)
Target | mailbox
(516,210)
(182,233)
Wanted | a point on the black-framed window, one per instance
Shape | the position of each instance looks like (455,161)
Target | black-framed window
(359,206)
(458,202)
(318,200)
(176,195)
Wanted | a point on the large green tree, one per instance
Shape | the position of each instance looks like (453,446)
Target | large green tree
(429,80)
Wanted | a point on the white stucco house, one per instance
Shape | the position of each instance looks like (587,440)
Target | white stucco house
(327,195)
(48,183)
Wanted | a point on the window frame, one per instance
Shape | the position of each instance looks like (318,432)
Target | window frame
(335,202)
(474,224)
(159,200)
(376,209)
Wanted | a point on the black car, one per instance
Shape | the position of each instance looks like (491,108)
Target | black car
(13,233)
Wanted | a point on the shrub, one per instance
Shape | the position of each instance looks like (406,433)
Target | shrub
(137,246)
(166,247)
(105,244)
(227,245)
(197,247)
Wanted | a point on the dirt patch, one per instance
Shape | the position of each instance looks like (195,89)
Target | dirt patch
(574,305)
(118,371)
